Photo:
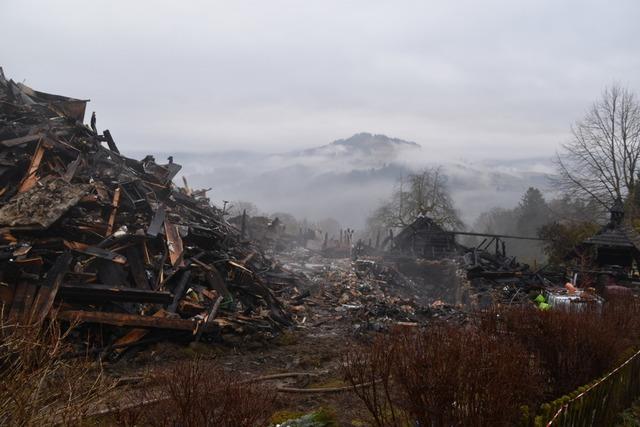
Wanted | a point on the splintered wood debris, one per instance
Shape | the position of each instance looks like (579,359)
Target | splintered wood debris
(104,239)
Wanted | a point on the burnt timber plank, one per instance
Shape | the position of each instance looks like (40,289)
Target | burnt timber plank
(72,168)
(49,289)
(134,320)
(172,170)
(174,243)
(156,222)
(179,290)
(99,293)
(214,278)
(95,251)
(137,268)
(114,210)
(111,274)
(21,140)
(160,269)
(31,178)
(134,335)
(210,318)
(110,142)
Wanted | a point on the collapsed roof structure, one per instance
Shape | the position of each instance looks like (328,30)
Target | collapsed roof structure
(426,239)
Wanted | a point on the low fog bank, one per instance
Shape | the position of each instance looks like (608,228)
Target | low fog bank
(349,178)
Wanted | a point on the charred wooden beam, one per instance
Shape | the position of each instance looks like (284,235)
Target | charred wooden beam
(31,178)
(96,251)
(174,243)
(13,142)
(133,320)
(208,321)
(50,287)
(500,236)
(156,222)
(102,293)
(179,291)
(136,267)
(110,142)
(114,210)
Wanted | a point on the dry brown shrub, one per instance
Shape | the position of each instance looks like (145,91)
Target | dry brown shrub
(196,393)
(445,375)
(622,314)
(40,386)
(369,369)
(574,346)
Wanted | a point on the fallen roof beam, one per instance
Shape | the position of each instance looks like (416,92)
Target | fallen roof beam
(99,293)
(95,251)
(500,236)
(51,286)
(21,140)
(133,320)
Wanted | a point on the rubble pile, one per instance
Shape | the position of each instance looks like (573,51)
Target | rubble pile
(498,279)
(369,292)
(434,279)
(104,239)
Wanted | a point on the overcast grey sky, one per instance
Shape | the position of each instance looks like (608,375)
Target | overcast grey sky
(471,79)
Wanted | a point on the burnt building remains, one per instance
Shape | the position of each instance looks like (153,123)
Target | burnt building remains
(424,238)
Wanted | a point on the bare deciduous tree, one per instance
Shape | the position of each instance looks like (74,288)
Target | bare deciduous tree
(600,161)
(423,193)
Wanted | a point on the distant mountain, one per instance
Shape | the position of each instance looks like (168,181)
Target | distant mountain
(363,145)
(348,178)
(362,150)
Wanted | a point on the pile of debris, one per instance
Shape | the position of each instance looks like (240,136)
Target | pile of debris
(94,236)
(386,294)
(370,293)
(496,278)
